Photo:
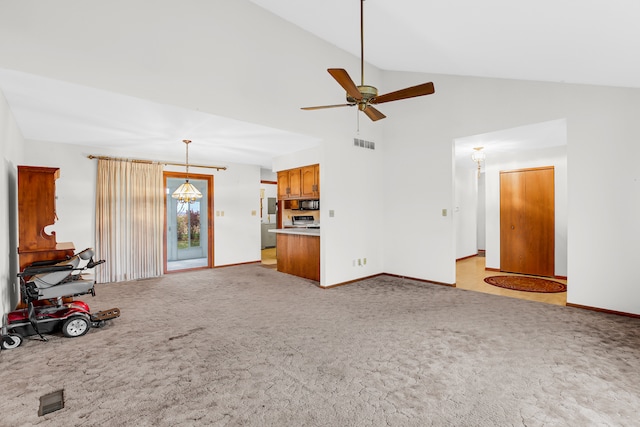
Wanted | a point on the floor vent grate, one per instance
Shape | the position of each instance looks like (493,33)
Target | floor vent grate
(364,143)
(51,402)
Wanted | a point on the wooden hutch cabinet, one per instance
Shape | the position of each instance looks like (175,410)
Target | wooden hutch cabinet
(36,211)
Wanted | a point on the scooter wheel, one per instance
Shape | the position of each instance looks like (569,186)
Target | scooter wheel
(75,327)
(11,341)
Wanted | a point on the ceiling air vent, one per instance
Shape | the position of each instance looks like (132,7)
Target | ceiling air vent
(364,144)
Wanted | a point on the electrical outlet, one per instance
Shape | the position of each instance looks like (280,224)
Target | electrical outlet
(359,261)
(444,212)
(364,261)
(331,213)
(217,213)
(221,213)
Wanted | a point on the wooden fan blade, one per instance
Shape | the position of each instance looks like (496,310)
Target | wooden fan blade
(327,106)
(410,92)
(342,77)
(373,114)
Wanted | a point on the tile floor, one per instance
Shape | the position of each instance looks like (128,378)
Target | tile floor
(470,274)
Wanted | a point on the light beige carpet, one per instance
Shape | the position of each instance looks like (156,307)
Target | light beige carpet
(248,346)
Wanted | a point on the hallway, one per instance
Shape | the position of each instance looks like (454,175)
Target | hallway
(470,274)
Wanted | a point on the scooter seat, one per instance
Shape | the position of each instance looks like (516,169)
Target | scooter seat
(54,278)
(76,287)
(61,279)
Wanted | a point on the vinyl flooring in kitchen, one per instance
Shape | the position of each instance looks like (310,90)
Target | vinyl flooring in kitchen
(269,257)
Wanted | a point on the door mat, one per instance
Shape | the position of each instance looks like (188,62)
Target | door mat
(526,284)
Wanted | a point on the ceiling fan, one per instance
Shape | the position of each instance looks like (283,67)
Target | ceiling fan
(365,96)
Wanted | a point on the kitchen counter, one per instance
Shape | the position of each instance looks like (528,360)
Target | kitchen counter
(300,231)
(298,251)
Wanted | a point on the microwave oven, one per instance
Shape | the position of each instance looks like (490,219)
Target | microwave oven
(309,205)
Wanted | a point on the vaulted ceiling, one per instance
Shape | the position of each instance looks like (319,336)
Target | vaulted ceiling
(585,42)
(572,41)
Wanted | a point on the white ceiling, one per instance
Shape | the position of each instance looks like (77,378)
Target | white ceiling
(56,111)
(573,41)
(536,136)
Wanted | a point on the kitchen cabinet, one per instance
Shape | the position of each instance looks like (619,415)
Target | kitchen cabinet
(299,183)
(283,185)
(289,184)
(310,182)
(299,254)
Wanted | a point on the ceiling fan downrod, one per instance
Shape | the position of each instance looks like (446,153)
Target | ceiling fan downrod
(361,42)
(366,96)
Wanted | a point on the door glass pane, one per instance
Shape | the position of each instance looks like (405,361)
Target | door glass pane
(187,245)
(188,224)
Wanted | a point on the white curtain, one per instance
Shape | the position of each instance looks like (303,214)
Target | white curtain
(129,220)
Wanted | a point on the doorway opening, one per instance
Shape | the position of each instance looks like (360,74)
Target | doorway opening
(268,221)
(188,226)
(477,197)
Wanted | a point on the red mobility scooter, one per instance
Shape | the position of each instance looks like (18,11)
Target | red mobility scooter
(44,286)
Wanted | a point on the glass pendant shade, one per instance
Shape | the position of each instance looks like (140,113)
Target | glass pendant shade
(478,156)
(187,193)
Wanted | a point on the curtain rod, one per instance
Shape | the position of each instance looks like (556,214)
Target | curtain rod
(91,156)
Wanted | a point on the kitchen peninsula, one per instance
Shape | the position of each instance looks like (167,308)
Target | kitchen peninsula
(298,251)
(298,236)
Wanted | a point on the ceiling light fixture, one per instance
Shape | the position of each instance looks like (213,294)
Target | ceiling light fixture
(187,193)
(478,156)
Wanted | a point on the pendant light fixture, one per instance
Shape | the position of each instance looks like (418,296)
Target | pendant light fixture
(187,193)
(478,156)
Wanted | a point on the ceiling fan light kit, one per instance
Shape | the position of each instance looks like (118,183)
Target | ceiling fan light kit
(365,96)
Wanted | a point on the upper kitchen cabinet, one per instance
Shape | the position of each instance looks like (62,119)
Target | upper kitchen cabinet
(289,184)
(310,181)
(283,185)
(299,183)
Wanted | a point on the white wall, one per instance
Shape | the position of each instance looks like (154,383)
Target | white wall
(264,80)
(407,181)
(465,212)
(603,186)
(11,151)
(352,186)
(236,193)
(481,213)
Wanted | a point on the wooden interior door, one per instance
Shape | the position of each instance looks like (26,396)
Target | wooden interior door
(527,221)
